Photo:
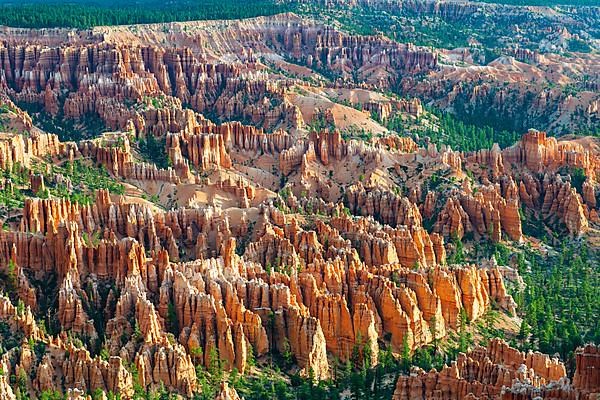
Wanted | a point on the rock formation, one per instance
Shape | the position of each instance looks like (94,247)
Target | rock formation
(501,372)
(272,237)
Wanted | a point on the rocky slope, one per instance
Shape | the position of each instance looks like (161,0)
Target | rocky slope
(501,372)
(224,242)
(166,290)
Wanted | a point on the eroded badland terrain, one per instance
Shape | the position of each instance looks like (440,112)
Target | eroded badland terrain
(280,207)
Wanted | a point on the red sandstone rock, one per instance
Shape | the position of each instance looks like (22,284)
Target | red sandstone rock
(170,289)
(495,372)
(587,373)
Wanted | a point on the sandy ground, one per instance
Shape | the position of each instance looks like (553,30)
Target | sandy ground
(310,99)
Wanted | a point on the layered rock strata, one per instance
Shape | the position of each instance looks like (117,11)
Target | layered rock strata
(501,372)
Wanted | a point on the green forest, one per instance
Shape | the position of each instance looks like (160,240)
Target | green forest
(546,2)
(560,304)
(85,14)
(459,135)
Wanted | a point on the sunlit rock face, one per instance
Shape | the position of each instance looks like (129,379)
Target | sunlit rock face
(263,237)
